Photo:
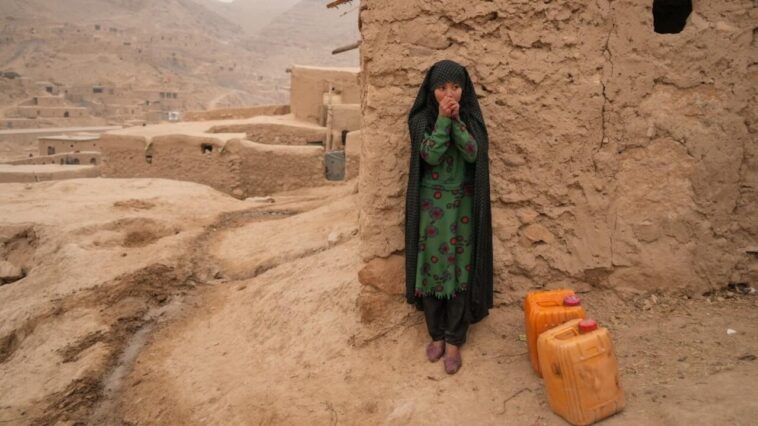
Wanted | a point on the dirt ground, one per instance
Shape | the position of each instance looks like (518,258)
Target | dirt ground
(158,302)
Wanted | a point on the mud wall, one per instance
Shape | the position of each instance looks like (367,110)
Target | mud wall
(237,167)
(83,157)
(309,84)
(236,113)
(619,157)
(271,168)
(276,133)
(52,112)
(179,157)
(59,146)
(39,173)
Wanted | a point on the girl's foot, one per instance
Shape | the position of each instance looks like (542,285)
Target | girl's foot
(435,350)
(453,359)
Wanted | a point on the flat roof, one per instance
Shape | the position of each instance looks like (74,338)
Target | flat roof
(58,130)
(72,138)
(31,168)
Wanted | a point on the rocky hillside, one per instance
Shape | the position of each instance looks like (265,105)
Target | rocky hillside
(250,15)
(193,46)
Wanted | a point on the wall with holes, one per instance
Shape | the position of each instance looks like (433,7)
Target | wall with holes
(622,141)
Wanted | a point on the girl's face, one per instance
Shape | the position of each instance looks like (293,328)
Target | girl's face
(448,89)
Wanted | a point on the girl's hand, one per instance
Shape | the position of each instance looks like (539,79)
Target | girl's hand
(455,112)
(446,107)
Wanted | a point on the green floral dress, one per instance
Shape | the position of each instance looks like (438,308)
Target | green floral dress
(445,234)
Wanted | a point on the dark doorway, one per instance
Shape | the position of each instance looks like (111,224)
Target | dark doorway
(670,16)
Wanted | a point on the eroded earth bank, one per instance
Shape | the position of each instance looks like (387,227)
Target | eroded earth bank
(147,301)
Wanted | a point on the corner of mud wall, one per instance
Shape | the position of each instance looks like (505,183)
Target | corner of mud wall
(265,169)
(123,156)
(619,157)
(178,157)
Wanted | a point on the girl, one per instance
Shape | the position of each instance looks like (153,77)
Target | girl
(448,229)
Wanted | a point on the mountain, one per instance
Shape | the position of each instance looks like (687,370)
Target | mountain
(250,15)
(306,34)
(204,49)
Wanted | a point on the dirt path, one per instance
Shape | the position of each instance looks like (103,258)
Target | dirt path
(287,347)
(105,263)
(245,312)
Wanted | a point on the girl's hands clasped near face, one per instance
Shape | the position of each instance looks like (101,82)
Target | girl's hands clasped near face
(455,112)
(448,107)
(448,96)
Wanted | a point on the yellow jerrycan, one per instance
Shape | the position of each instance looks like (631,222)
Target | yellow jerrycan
(580,370)
(544,310)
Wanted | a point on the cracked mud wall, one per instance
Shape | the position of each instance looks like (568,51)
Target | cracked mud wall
(618,157)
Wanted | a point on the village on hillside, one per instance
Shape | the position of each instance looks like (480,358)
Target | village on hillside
(203,208)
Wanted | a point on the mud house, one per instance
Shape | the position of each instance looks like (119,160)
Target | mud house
(262,150)
(622,151)
(58,144)
(49,107)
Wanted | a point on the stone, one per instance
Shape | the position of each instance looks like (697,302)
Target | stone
(9,272)
(375,305)
(646,232)
(333,239)
(537,233)
(385,274)
(260,199)
(527,215)
(513,160)
(504,223)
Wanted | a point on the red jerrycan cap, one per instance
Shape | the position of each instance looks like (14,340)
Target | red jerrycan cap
(587,325)
(572,300)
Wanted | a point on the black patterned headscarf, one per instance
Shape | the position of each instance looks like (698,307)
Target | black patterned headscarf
(421,119)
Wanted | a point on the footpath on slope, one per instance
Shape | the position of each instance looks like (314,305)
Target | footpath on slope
(238,312)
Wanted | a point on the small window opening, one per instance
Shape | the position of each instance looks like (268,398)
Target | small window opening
(50,150)
(93,160)
(670,16)
(65,114)
(207,148)
(149,159)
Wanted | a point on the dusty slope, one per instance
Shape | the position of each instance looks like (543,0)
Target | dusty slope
(98,255)
(287,347)
(104,260)
(212,325)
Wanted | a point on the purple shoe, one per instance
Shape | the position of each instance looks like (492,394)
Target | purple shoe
(453,363)
(434,353)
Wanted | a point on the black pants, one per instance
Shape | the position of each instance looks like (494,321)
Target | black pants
(444,319)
